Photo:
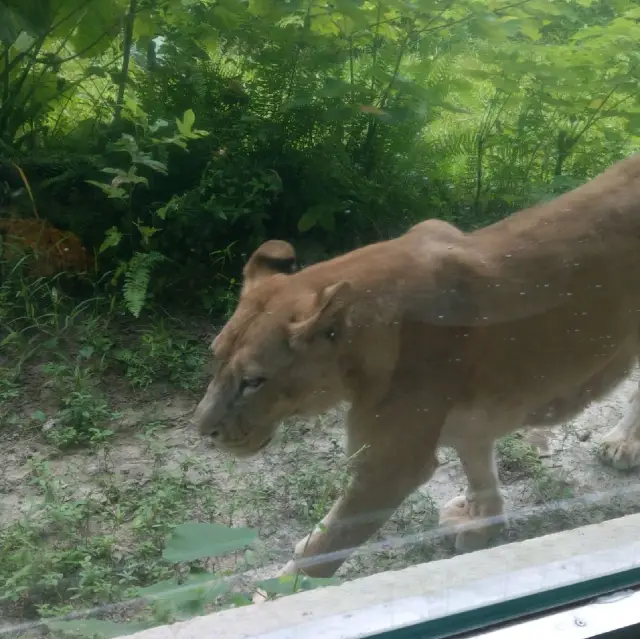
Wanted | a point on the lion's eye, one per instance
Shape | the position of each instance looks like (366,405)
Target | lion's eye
(250,384)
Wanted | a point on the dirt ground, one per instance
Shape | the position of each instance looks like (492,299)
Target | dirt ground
(552,480)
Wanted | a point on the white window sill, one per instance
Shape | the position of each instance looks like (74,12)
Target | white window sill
(390,600)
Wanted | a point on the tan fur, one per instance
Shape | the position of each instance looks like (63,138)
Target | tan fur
(54,251)
(438,337)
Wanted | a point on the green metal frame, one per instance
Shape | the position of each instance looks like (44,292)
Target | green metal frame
(516,609)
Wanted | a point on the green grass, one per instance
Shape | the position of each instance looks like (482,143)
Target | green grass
(520,460)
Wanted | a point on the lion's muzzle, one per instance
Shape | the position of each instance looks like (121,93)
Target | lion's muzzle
(204,418)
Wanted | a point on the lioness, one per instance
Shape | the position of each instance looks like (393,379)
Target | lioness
(437,337)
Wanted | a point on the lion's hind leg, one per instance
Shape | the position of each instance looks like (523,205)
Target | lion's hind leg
(620,447)
(477,517)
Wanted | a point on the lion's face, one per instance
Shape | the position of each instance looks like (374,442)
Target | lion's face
(276,357)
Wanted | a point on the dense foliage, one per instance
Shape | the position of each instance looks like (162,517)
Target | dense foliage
(175,135)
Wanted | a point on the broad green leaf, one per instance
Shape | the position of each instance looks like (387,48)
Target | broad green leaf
(158,124)
(160,167)
(325,24)
(224,19)
(327,221)
(260,7)
(146,25)
(239,600)
(112,238)
(112,192)
(204,587)
(23,15)
(289,584)
(322,214)
(186,125)
(307,221)
(86,352)
(189,119)
(95,69)
(194,540)
(530,29)
(98,25)
(334,87)
(96,627)
(169,206)
(23,42)
(147,232)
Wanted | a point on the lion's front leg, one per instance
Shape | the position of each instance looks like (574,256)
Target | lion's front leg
(388,462)
(380,483)
(392,447)
(620,447)
(377,488)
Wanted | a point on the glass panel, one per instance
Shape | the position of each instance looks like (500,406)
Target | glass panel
(358,278)
(516,610)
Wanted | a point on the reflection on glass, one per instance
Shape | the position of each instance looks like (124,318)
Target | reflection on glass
(294,292)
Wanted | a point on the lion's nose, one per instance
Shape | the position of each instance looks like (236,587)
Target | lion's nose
(203,419)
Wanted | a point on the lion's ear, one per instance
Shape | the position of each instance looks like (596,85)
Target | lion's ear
(327,318)
(270,258)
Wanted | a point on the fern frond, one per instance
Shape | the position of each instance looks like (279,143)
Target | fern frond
(137,278)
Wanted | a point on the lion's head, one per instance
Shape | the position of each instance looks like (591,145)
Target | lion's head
(277,356)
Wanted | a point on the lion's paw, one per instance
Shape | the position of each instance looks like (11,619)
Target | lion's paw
(456,514)
(621,454)
(260,596)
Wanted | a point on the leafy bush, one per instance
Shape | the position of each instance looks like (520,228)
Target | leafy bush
(332,125)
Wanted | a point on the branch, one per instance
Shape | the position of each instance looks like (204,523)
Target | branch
(374,60)
(473,15)
(396,69)
(128,39)
(594,115)
(8,106)
(5,74)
